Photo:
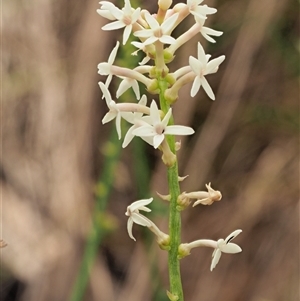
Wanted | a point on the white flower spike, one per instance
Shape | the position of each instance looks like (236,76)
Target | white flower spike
(202,67)
(159,128)
(225,246)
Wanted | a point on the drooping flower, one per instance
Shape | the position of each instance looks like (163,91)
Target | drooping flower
(125,18)
(159,128)
(105,68)
(135,216)
(133,212)
(203,197)
(225,246)
(201,67)
(157,32)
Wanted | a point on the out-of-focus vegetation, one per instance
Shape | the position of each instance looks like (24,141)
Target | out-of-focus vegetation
(53,154)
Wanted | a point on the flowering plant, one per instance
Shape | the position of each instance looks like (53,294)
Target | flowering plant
(155,123)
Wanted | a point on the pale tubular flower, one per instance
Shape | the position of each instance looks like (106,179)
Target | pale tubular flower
(220,246)
(125,18)
(204,197)
(202,67)
(157,32)
(198,10)
(225,246)
(159,128)
(105,68)
(125,84)
(136,217)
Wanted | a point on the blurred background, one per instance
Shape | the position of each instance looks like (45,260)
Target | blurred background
(61,169)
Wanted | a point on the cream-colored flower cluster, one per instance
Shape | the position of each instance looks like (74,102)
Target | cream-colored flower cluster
(153,35)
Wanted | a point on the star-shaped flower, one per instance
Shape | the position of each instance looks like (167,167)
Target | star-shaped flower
(114,111)
(157,32)
(104,68)
(225,246)
(125,18)
(202,67)
(159,128)
(135,216)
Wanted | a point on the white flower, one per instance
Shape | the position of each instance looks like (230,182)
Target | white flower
(135,217)
(159,128)
(225,246)
(114,111)
(104,68)
(125,18)
(199,10)
(157,32)
(203,197)
(105,9)
(207,32)
(202,67)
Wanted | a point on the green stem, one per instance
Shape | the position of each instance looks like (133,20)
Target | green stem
(174,214)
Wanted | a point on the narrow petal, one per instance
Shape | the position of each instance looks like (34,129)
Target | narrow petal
(166,119)
(144,131)
(196,65)
(213,64)
(113,25)
(201,54)
(168,24)
(108,117)
(154,113)
(113,53)
(231,248)
(233,235)
(165,39)
(105,93)
(118,125)
(196,86)
(141,220)
(157,140)
(126,33)
(128,137)
(207,88)
(180,130)
(129,228)
(140,203)
(216,257)
(151,21)
(150,40)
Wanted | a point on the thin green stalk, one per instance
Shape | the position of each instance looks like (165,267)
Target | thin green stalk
(174,214)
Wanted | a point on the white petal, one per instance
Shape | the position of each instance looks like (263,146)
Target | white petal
(154,113)
(150,40)
(196,65)
(207,88)
(141,203)
(126,33)
(213,64)
(106,93)
(140,220)
(128,137)
(157,140)
(144,131)
(211,31)
(104,68)
(129,228)
(113,53)
(109,117)
(231,248)
(178,130)
(113,25)
(118,125)
(196,86)
(151,21)
(201,54)
(166,119)
(233,235)
(216,257)
(167,39)
(168,24)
